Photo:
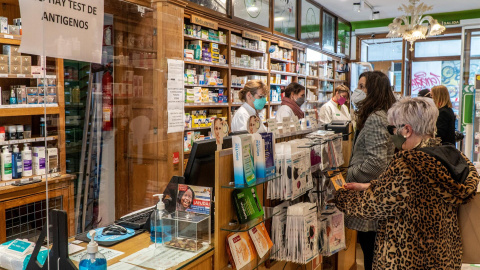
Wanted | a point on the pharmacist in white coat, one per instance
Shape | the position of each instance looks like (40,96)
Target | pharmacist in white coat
(335,108)
(253,95)
(294,97)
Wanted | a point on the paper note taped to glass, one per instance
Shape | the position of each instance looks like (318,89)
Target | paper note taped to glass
(337,180)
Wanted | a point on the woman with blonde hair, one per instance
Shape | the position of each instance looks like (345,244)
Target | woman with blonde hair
(335,108)
(253,94)
(446,117)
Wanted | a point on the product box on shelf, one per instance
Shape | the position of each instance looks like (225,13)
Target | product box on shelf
(27,70)
(11,50)
(15,60)
(4,25)
(39,160)
(3,59)
(26,61)
(3,68)
(243,162)
(14,30)
(241,249)
(15,69)
(189,231)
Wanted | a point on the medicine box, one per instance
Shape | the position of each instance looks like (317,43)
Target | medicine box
(3,59)
(11,50)
(39,160)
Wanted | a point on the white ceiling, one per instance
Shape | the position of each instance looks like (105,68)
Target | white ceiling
(389,8)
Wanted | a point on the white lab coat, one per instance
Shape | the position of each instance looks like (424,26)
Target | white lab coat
(284,111)
(330,112)
(240,119)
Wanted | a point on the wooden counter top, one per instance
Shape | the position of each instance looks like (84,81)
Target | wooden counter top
(142,241)
(7,191)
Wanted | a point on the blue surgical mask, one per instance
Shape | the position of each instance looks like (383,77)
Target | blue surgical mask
(259,103)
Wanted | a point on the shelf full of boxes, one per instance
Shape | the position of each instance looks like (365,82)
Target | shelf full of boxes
(32,109)
(218,63)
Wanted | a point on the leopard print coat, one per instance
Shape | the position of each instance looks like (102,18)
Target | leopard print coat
(416,203)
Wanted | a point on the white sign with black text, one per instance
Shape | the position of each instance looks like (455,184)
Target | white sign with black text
(67,29)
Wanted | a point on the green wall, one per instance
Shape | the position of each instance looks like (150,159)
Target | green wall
(449,16)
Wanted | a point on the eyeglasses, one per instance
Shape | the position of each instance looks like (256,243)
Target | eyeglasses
(391,128)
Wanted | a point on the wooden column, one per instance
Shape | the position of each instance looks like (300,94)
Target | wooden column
(170,16)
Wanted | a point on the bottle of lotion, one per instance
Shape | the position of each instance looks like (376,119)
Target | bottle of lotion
(27,161)
(17,166)
(6,164)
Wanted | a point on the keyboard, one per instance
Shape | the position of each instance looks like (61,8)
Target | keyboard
(137,219)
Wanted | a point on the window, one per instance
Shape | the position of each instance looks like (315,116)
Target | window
(438,48)
(343,43)
(328,34)
(255,11)
(383,50)
(310,23)
(285,17)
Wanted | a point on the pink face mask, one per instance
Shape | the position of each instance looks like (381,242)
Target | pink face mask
(341,101)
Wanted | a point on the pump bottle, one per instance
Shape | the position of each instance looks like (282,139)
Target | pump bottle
(6,164)
(159,234)
(93,260)
(27,161)
(17,166)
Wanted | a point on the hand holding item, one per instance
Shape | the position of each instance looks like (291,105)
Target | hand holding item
(356,186)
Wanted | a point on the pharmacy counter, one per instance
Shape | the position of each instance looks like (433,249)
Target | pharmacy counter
(202,260)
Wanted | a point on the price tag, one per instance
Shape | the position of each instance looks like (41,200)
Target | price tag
(286,125)
(8,36)
(20,75)
(3,75)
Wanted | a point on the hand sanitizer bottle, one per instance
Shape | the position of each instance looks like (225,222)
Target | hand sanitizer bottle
(93,260)
(6,163)
(159,234)
(27,161)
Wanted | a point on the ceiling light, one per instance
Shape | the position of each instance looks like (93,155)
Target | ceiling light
(278,19)
(414,25)
(356,7)
(375,15)
(252,9)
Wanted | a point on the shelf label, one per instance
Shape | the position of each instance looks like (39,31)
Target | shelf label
(3,75)
(285,45)
(251,35)
(8,36)
(20,75)
(204,22)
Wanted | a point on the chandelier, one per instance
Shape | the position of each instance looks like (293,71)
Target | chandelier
(414,25)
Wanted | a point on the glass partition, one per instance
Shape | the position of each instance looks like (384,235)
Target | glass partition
(310,23)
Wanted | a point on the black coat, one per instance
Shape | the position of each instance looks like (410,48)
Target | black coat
(446,125)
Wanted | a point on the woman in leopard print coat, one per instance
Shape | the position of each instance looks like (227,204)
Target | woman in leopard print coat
(416,199)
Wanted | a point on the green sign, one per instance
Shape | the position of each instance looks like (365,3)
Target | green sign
(452,22)
(468,101)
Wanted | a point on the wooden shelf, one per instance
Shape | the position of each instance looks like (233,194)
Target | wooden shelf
(275,103)
(205,86)
(29,110)
(278,84)
(312,78)
(247,49)
(283,73)
(237,86)
(327,80)
(205,105)
(264,71)
(237,104)
(204,63)
(312,87)
(9,188)
(189,37)
(281,60)
(26,76)
(198,128)
(10,39)
(30,140)
(152,50)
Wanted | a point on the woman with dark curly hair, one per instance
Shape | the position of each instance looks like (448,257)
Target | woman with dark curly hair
(185,199)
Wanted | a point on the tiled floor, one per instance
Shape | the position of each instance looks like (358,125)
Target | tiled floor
(359,258)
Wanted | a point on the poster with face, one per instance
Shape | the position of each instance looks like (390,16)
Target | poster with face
(253,124)
(194,199)
(219,130)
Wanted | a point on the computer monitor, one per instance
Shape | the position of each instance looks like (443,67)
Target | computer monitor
(200,170)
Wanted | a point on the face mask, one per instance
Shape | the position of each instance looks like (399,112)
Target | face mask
(398,140)
(259,103)
(300,101)
(341,100)
(357,96)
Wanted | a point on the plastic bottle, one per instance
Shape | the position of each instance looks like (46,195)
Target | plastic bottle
(42,127)
(17,165)
(13,98)
(93,260)
(6,164)
(159,233)
(27,161)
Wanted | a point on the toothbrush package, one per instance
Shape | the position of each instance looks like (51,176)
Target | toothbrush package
(243,160)
(247,204)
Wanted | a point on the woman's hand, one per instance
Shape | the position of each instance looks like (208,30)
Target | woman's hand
(356,186)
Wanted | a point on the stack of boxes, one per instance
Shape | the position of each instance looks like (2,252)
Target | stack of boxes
(44,93)
(202,118)
(198,32)
(249,44)
(208,52)
(205,95)
(284,67)
(12,62)
(14,29)
(277,79)
(202,76)
(275,93)
(281,53)
(247,61)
